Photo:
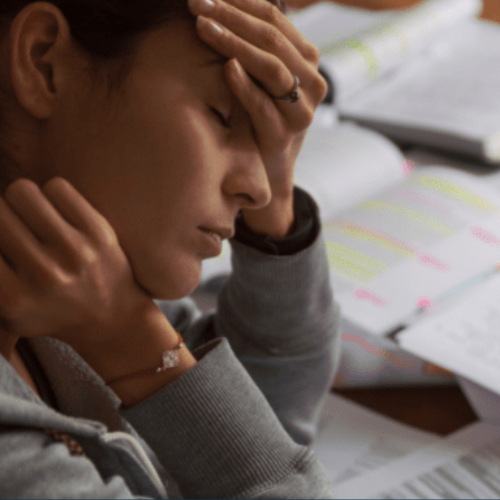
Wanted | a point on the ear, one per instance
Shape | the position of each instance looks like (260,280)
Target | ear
(39,36)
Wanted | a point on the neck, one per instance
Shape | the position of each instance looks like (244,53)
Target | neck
(7,344)
(9,352)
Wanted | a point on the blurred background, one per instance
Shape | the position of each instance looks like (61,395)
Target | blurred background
(491,7)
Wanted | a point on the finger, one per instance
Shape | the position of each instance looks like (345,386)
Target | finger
(256,32)
(269,13)
(266,68)
(270,39)
(39,215)
(266,119)
(76,209)
(17,243)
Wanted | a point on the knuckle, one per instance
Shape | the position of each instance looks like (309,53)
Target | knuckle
(280,75)
(320,87)
(282,79)
(272,14)
(109,238)
(55,186)
(271,38)
(45,273)
(311,54)
(20,187)
(86,260)
(264,107)
(308,117)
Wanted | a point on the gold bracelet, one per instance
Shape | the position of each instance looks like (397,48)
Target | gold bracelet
(170,359)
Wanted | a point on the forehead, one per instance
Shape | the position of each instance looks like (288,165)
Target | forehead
(178,45)
(176,59)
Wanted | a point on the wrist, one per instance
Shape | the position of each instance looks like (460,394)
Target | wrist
(139,347)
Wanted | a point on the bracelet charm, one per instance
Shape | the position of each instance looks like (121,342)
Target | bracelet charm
(170,359)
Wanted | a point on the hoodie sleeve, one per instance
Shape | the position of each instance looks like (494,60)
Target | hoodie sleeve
(279,315)
(216,434)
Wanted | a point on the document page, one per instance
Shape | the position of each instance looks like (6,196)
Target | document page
(393,255)
(463,465)
(465,336)
(449,98)
(342,165)
(327,23)
(353,440)
(364,57)
(339,165)
(421,156)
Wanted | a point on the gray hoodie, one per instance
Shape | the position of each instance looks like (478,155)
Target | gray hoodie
(237,425)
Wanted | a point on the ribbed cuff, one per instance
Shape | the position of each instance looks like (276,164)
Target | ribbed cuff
(307,227)
(214,431)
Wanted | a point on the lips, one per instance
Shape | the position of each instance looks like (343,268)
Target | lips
(212,246)
(222,232)
(215,236)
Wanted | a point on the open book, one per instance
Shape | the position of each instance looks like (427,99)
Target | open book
(423,241)
(426,75)
(340,164)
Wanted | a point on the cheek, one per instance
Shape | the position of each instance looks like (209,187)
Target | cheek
(157,209)
(167,276)
(155,172)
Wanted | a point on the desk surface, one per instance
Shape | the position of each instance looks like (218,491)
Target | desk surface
(439,409)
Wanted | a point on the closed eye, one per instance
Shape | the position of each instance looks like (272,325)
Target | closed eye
(222,119)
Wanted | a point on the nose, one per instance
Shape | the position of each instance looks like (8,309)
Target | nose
(247,181)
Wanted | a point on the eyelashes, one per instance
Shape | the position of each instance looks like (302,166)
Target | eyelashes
(222,119)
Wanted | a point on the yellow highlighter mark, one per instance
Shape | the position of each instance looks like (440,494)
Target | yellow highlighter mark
(352,264)
(379,240)
(456,191)
(407,212)
(361,47)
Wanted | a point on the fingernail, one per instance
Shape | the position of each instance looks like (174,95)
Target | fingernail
(203,22)
(202,6)
(237,67)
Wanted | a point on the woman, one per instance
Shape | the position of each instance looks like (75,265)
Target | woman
(136,136)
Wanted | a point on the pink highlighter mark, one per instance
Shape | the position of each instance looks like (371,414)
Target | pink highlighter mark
(363,293)
(429,260)
(361,342)
(424,302)
(485,236)
(407,167)
(356,339)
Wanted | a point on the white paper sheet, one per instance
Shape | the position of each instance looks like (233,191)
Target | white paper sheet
(464,465)
(353,440)
(447,99)
(395,254)
(485,403)
(365,57)
(342,165)
(464,337)
(326,23)
(339,164)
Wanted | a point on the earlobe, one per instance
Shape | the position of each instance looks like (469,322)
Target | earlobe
(37,36)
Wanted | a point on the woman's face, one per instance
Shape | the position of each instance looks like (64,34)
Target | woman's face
(164,158)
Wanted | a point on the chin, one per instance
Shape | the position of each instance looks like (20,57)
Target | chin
(171,283)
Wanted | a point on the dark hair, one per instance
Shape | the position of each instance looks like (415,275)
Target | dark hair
(108,29)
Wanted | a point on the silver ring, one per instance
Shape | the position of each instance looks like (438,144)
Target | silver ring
(294,95)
